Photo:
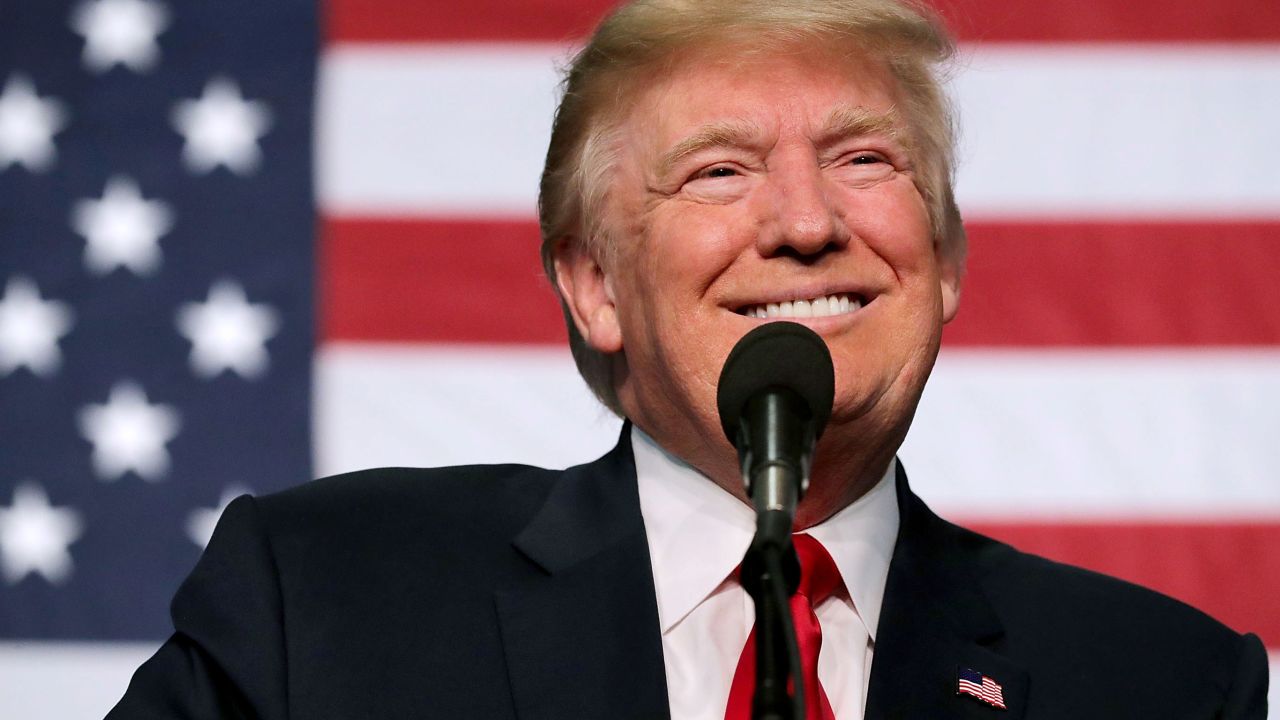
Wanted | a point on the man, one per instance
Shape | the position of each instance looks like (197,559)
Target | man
(713,165)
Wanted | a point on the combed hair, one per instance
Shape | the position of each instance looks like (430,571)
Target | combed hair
(642,38)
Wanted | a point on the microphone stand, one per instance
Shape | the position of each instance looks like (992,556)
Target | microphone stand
(770,569)
(770,575)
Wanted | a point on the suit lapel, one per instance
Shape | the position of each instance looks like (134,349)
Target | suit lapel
(935,621)
(581,635)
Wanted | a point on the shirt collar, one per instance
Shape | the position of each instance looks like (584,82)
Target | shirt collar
(698,533)
(860,539)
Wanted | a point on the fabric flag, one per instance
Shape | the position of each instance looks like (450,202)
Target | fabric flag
(157,255)
(971,682)
(184,317)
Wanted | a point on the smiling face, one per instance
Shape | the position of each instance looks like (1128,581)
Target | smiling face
(777,187)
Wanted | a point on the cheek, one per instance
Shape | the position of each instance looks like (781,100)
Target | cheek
(689,247)
(893,221)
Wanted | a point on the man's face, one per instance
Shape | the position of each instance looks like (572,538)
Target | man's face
(782,185)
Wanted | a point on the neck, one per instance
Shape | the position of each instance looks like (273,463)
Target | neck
(846,466)
(843,471)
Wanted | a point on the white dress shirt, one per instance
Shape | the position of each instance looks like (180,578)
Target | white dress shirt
(698,534)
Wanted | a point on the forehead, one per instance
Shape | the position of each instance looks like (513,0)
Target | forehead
(725,90)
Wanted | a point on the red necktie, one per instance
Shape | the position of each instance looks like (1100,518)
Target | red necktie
(819,578)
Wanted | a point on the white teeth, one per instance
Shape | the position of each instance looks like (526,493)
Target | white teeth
(823,306)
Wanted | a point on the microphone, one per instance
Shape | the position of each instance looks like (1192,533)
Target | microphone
(774,397)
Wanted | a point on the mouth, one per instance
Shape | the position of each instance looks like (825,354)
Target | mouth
(815,307)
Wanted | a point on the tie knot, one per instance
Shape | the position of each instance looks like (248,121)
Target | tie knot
(819,577)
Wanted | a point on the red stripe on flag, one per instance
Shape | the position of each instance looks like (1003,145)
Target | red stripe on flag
(438,280)
(1231,570)
(1029,284)
(1120,284)
(1112,20)
(474,21)
(984,20)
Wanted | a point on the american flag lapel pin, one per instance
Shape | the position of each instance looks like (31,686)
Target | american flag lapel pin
(976,685)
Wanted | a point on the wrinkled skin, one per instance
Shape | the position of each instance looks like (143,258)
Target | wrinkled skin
(780,177)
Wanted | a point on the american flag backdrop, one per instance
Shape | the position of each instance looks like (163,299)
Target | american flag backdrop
(243,244)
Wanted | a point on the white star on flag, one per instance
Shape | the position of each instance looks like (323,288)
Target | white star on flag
(122,229)
(30,328)
(221,128)
(227,332)
(27,125)
(34,536)
(120,32)
(202,521)
(128,433)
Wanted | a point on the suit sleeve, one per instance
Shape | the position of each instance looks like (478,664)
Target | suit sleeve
(1247,698)
(226,657)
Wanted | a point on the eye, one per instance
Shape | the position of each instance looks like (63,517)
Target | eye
(863,168)
(723,182)
(720,171)
(866,159)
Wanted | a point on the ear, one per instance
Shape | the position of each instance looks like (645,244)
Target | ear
(588,291)
(950,272)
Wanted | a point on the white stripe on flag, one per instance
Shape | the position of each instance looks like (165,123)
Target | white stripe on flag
(1273,696)
(1144,130)
(65,679)
(1160,131)
(412,130)
(1052,435)
(1097,434)
(448,405)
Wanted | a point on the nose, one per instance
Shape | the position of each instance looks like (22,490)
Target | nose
(804,218)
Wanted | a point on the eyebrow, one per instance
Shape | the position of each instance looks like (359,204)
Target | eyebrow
(843,122)
(856,121)
(721,134)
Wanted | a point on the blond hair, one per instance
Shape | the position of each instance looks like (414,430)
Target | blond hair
(642,37)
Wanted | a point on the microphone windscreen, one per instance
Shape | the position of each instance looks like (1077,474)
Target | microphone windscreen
(776,354)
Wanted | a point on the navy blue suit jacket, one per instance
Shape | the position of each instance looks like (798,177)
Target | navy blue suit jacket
(518,592)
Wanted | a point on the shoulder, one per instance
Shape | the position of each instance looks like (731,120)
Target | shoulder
(1029,589)
(402,489)
(458,500)
(1077,610)
(380,525)
(427,536)
(1078,626)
